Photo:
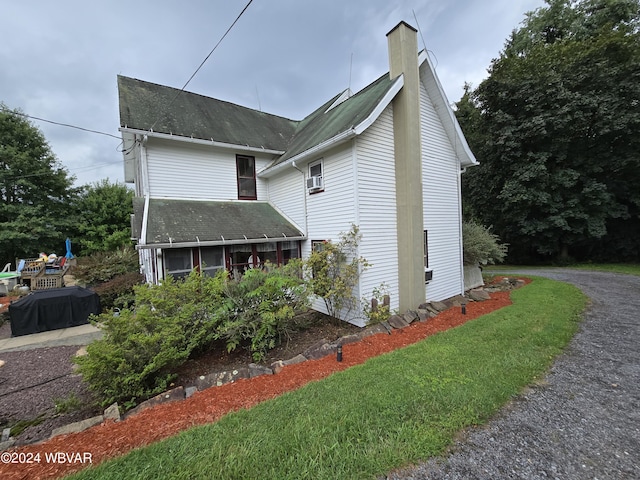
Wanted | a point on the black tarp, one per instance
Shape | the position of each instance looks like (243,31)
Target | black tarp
(45,310)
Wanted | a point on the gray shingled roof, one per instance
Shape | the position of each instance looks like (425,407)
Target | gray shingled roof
(320,126)
(181,221)
(144,105)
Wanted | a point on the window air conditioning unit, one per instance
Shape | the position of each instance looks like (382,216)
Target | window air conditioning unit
(314,184)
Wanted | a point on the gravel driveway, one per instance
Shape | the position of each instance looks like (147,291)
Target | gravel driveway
(583,422)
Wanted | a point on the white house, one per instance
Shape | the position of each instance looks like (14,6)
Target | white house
(224,186)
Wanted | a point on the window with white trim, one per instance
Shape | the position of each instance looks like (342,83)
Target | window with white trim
(316,169)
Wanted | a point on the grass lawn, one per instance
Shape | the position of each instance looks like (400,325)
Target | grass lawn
(395,409)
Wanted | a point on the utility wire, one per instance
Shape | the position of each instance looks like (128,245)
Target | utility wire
(4,109)
(204,61)
(4,394)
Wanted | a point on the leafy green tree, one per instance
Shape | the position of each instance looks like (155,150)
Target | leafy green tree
(104,210)
(35,191)
(555,129)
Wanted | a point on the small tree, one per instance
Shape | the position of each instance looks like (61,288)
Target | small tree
(333,270)
(480,246)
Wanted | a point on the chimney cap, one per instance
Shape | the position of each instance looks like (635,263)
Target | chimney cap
(399,24)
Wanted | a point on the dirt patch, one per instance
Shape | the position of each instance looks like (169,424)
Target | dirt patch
(114,439)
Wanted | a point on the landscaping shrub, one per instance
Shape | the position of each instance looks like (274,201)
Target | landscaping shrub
(102,267)
(260,306)
(377,309)
(118,292)
(480,246)
(333,271)
(140,349)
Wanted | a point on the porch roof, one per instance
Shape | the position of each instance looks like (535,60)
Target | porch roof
(172,223)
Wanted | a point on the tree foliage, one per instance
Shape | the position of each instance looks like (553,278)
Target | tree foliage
(35,191)
(104,217)
(555,129)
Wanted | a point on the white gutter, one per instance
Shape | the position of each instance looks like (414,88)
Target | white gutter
(145,189)
(216,243)
(200,141)
(313,151)
(145,218)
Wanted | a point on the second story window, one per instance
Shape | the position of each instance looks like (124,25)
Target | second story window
(246,170)
(315,182)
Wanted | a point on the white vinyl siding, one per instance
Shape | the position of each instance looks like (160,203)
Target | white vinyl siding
(441,194)
(183,170)
(332,211)
(286,193)
(377,207)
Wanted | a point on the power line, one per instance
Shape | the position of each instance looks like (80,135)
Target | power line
(5,109)
(205,60)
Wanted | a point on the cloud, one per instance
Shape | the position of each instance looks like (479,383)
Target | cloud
(287,57)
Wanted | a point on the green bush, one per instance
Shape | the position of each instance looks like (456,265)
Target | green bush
(382,311)
(480,246)
(102,267)
(118,292)
(141,349)
(259,307)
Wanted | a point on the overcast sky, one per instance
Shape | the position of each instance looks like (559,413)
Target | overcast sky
(59,60)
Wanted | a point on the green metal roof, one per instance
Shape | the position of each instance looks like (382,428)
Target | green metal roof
(321,125)
(195,221)
(145,106)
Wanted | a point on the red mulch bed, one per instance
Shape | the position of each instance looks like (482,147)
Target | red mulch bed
(111,439)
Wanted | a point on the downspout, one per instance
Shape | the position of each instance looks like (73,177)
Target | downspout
(151,260)
(459,181)
(304,196)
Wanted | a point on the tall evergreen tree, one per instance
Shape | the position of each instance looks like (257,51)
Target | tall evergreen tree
(556,133)
(35,191)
